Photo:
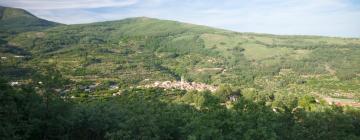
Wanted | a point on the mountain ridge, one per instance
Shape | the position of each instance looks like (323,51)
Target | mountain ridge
(15,20)
(44,22)
(217,28)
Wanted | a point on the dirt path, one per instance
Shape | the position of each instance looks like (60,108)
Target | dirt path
(209,69)
(339,101)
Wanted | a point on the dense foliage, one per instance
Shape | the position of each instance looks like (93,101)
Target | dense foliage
(155,114)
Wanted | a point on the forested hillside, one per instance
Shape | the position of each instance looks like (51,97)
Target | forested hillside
(90,81)
(135,49)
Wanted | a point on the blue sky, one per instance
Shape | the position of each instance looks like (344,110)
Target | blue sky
(296,17)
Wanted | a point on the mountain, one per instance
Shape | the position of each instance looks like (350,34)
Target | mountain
(13,20)
(100,81)
(142,50)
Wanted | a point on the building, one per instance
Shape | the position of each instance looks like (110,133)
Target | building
(15,83)
(113,87)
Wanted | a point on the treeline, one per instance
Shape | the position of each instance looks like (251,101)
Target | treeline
(155,114)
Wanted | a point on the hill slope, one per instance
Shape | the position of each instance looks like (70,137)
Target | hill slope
(270,86)
(15,20)
(140,50)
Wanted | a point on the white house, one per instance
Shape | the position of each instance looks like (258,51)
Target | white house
(15,83)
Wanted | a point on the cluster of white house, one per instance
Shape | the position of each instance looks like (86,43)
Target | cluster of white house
(183,85)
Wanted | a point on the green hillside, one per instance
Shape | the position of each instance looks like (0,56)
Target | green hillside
(135,49)
(144,48)
(13,20)
(268,86)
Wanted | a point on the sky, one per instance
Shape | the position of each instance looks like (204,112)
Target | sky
(295,17)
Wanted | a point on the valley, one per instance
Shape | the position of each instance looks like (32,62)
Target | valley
(147,78)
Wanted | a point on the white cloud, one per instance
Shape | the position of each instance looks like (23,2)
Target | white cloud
(68,16)
(66,4)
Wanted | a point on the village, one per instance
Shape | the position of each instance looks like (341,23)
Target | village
(183,85)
